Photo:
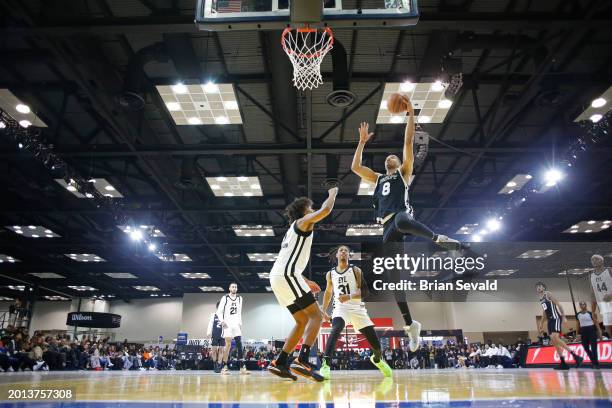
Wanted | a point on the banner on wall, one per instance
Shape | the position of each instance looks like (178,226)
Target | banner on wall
(94,319)
(546,355)
(181,338)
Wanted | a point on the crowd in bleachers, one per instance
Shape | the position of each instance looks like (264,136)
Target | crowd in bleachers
(19,351)
(439,356)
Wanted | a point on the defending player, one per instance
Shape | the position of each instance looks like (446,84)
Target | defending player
(293,291)
(217,343)
(229,313)
(344,285)
(601,283)
(392,206)
(553,313)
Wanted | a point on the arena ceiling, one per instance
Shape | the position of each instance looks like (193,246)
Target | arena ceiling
(529,69)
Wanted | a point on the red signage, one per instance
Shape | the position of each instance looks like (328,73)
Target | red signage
(549,355)
(355,340)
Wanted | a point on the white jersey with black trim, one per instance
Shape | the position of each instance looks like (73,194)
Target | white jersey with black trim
(294,254)
(602,286)
(345,283)
(230,310)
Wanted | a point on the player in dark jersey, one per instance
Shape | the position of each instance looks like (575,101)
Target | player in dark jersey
(217,342)
(393,209)
(553,314)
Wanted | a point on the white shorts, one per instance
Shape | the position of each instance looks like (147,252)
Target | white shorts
(607,319)
(232,331)
(289,289)
(358,317)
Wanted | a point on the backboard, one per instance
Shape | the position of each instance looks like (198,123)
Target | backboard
(222,15)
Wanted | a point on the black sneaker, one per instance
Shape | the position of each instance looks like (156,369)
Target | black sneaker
(217,368)
(562,367)
(280,371)
(306,370)
(595,367)
(579,361)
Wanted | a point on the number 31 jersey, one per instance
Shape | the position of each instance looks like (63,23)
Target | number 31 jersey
(390,195)
(602,286)
(345,283)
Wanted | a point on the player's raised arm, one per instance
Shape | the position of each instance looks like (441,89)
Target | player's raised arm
(408,154)
(364,172)
(329,291)
(307,222)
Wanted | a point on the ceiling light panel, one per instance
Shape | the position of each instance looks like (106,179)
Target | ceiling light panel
(467,229)
(211,289)
(515,183)
(235,186)
(8,259)
(263,275)
(366,188)
(146,288)
(55,298)
(19,288)
(201,104)
(363,229)
(19,110)
(537,253)
(588,227)
(174,258)
(501,272)
(599,106)
(576,271)
(85,257)
(427,97)
(101,185)
(47,275)
(121,275)
(262,257)
(253,230)
(195,275)
(82,288)
(32,231)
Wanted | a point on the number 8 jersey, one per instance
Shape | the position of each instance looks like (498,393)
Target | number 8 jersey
(390,195)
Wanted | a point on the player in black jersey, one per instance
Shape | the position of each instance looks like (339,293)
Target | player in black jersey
(393,209)
(553,314)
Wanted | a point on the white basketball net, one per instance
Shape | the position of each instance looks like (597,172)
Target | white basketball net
(306,48)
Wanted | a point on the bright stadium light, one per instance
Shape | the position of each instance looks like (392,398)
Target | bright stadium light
(136,235)
(493,225)
(552,177)
(596,117)
(476,238)
(179,88)
(152,247)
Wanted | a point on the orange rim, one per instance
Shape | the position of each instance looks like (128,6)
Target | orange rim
(307,29)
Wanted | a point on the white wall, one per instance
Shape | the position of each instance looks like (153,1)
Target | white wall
(49,316)
(262,317)
(147,319)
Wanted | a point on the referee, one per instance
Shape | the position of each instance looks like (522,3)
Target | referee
(589,333)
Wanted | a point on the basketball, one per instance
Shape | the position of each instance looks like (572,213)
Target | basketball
(314,287)
(396,103)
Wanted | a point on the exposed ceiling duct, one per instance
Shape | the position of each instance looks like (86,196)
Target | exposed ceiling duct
(341,96)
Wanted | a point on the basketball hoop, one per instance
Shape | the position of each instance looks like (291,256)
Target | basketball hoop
(306,47)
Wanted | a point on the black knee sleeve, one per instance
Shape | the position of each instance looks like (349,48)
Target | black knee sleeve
(238,340)
(372,338)
(406,224)
(337,326)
